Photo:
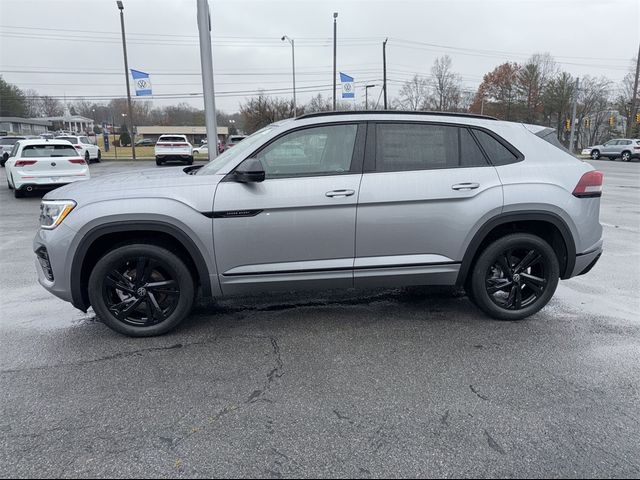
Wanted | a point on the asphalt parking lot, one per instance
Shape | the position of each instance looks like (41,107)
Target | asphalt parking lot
(385,383)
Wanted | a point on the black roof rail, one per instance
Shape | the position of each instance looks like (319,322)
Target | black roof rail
(395,112)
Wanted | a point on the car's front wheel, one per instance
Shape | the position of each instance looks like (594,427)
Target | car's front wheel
(141,290)
(595,154)
(514,277)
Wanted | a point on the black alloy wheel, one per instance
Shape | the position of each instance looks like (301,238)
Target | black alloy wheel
(141,290)
(514,277)
(517,278)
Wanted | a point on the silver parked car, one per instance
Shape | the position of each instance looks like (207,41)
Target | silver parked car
(624,148)
(330,200)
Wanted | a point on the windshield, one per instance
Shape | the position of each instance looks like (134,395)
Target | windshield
(242,149)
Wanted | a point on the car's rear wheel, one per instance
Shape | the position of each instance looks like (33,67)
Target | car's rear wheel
(158,161)
(626,156)
(141,290)
(87,157)
(18,193)
(99,157)
(595,154)
(4,159)
(514,277)
(190,161)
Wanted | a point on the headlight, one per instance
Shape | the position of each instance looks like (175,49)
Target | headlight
(53,212)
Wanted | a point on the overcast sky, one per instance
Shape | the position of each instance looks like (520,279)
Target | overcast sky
(73,47)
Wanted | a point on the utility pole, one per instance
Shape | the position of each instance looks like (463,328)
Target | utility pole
(293,61)
(634,101)
(573,115)
(206,63)
(335,36)
(384,71)
(126,75)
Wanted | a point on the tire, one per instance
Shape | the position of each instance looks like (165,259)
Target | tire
(18,193)
(595,154)
(190,161)
(99,157)
(4,159)
(158,161)
(87,157)
(113,288)
(626,156)
(9,185)
(533,287)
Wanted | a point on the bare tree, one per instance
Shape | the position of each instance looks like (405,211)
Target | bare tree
(593,103)
(262,110)
(51,107)
(446,85)
(414,94)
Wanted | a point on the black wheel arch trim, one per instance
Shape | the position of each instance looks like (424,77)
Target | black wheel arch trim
(81,302)
(510,217)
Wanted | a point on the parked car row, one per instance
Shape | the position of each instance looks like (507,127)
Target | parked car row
(43,163)
(83,146)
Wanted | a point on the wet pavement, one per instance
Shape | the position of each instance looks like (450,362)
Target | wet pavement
(385,383)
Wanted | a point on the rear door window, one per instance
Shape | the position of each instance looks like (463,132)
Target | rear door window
(407,146)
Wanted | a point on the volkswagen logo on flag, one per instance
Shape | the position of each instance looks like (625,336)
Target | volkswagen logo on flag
(142,84)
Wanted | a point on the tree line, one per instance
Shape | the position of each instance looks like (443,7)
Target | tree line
(536,91)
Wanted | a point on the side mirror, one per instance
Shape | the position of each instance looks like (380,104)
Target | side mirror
(250,170)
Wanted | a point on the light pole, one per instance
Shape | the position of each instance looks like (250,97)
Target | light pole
(206,65)
(366,96)
(126,75)
(335,34)
(384,71)
(293,61)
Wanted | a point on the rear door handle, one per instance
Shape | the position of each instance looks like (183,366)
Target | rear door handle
(465,186)
(340,193)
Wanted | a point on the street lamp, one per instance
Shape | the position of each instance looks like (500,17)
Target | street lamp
(293,60)
(126,75)
(335,35)
(366,96)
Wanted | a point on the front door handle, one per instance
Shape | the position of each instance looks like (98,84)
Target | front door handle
(340,193)
(465,186)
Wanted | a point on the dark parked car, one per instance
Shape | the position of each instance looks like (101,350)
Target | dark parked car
(145,142)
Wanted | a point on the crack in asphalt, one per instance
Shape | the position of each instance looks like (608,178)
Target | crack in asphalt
(477,393)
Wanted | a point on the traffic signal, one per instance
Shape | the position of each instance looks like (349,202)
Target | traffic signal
(587,122)
(612,121)
(567,124)
(638,117)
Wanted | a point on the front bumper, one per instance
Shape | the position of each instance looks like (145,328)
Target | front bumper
(54,274)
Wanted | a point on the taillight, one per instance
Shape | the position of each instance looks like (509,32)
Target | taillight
(590,185)
(24,163)
(78,161)
(78,147)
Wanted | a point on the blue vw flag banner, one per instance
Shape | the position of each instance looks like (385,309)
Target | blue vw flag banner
(142,83)
(348,91)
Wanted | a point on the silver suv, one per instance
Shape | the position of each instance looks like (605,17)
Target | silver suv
(330,201)
(624,148)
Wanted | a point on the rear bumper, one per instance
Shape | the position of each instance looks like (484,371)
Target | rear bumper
(586,261)
(35,183)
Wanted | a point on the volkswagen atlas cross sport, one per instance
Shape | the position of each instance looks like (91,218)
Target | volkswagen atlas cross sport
(330,201)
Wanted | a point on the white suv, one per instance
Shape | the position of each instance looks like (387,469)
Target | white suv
(173,147)
(84,147)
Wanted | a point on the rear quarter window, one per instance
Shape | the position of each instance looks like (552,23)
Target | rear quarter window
(497,153)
